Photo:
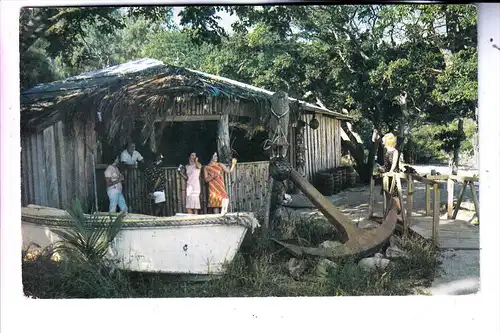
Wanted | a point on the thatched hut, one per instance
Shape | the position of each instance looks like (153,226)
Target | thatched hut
(71,129)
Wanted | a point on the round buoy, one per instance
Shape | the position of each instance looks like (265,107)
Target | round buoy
(314,123)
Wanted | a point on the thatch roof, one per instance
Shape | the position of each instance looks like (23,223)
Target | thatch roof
(144,88)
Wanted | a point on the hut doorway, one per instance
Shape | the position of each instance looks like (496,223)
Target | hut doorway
(182,138)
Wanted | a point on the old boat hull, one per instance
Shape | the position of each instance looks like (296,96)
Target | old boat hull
(198,245)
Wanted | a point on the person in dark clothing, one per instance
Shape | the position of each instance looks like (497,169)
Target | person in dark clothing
(155,177)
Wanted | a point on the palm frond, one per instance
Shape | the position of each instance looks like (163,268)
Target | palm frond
(88,236)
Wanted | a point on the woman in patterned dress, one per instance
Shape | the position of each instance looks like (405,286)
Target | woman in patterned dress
(214,176)
(391,164)
(193,188)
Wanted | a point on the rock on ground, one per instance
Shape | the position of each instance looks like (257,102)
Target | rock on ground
(330,244)
(370,264)
(323,266)
(296,267)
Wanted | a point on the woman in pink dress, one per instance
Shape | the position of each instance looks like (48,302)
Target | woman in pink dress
(193,188)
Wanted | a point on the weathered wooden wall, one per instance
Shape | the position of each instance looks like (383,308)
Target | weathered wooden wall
(56,166)
(323,149)
(247,189)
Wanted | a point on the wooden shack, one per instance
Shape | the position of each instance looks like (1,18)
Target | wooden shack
(71,129)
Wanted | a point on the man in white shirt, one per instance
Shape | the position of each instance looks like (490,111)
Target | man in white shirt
(130,156)
(114,180)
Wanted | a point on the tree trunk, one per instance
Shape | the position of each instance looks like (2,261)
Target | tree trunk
(380,154)
(403,132)
(362,166)
(456,147)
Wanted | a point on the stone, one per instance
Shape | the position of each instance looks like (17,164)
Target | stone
(395,252)
(296,267)
(323,266)
(378,255)
(330,244)
(395,241)
(373,263)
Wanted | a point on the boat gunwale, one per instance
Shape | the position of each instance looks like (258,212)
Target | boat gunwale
(65,221)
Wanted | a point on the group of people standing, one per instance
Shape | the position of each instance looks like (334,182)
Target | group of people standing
(213,174)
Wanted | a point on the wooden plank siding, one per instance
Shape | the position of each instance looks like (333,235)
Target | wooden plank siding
(56,167)
(322,145)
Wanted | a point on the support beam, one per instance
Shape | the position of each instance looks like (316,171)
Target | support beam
(185,118)
(474,198)
(409,202)
(427,200)
(459,200)
(435,216)
(402,203)
(223,140)
(372,197)
(450,191)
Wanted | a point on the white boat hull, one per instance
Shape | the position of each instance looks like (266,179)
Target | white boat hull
(189,250)
(179,249)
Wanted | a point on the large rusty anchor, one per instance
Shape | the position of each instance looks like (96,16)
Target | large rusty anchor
(356,243)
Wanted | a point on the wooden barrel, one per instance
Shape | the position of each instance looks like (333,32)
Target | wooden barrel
(343,176)
(324,183)
(351,176)
(337,177)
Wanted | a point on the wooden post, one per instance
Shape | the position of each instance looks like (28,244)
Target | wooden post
(450,190)
(401,202)
(435,217)
(224,145)
(474,197)
(459,200)
(268,203)
(223,140)
(427,200)
(385,186)
(409,202)
(280,121)
(372,197)
(278,135)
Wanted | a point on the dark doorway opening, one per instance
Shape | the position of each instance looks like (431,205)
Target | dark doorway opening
(180,139)
(248,150)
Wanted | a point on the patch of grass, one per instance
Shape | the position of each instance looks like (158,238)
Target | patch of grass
(259,269)
(399,278)
(72,278)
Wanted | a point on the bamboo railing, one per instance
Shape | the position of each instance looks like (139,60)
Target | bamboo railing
(246,187)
